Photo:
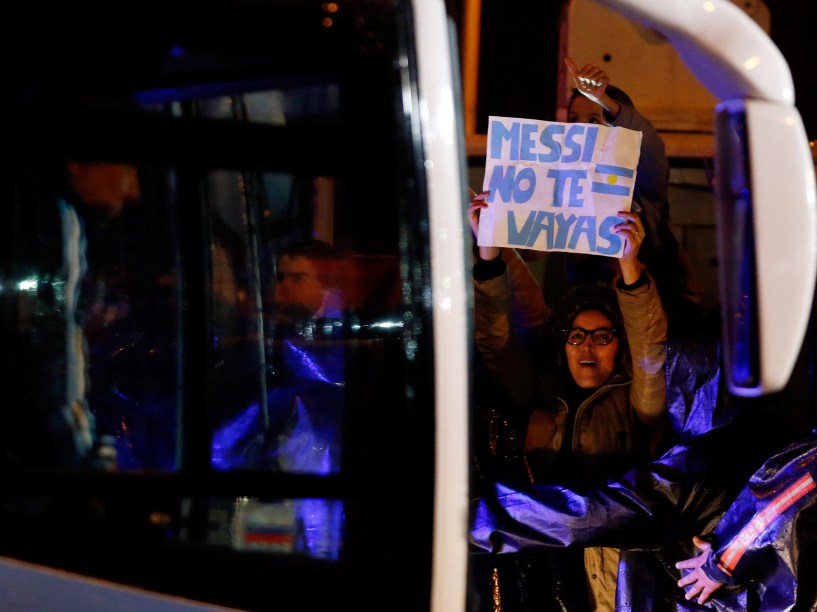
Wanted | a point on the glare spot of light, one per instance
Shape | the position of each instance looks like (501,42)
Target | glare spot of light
(751,63)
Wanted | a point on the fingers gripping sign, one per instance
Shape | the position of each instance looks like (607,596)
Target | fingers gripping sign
(632,231)
(475,207)
(476,204)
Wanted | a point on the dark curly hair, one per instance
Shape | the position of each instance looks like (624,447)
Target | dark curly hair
(592,296)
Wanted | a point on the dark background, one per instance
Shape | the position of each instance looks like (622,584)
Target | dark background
(519,56)
(792,30)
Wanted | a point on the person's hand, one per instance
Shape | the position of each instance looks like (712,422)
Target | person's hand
(632,230)
(474,208)
(591,81)
(476,204)
(702,586)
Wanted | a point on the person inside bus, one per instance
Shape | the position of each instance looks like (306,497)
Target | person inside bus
(601,409)
(68,205)
(308,281)
(307,288)
(296,428)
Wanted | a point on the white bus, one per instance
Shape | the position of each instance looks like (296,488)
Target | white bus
(175,436)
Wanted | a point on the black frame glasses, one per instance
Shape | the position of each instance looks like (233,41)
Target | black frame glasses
(602,336)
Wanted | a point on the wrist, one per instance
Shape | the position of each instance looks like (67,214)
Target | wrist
(488,253)
(612,107)
(486,269)
(632,281)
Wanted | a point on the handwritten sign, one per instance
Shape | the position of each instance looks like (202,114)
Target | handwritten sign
(557,186)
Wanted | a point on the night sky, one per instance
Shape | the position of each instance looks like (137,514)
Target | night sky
(792,30)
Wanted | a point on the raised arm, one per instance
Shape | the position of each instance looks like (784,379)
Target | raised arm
(500,288)
(646,325)
(653,165)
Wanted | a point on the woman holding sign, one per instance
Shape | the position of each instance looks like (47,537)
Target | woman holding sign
(600,409)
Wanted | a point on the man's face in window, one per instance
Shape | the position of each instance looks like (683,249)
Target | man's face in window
(299,289)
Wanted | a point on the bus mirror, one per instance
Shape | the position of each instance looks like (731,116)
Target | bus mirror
(767,241)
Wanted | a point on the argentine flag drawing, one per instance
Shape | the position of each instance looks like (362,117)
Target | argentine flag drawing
(613,180)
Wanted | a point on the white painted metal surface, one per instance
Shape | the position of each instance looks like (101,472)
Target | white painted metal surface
(25,587)
(450,294)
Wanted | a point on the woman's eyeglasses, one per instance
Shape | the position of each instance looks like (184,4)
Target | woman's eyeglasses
(601,335)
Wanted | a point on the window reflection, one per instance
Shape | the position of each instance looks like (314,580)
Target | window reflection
(303,305)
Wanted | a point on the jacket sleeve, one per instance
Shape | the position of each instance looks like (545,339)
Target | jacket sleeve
(647,507)
(760,535)
(646,324)
(497,343)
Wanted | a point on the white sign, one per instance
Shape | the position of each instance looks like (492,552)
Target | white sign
(557,186)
